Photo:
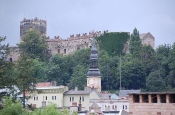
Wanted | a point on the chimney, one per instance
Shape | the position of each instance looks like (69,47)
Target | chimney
(79,105)
(76,88)
(54,83)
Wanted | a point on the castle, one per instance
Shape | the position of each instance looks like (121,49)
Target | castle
(67,46)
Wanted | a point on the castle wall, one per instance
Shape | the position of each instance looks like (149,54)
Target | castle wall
(35,24)
(152,104)
(14,54)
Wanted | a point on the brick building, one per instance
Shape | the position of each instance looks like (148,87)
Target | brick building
(152,103)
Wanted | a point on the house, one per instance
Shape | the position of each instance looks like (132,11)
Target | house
(45,95)
(81,99)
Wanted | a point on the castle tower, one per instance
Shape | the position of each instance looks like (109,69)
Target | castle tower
(93,75)
(35,24)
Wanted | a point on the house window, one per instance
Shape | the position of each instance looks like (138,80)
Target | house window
(112,106)
(52,97)
(46,97)
(34,98)
(82,98)
(55,98)
(72,99)
(64,51)
(125,106)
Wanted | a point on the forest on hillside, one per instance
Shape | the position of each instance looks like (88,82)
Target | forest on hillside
(143,68)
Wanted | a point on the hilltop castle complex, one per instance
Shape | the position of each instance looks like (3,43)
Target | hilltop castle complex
(67,46)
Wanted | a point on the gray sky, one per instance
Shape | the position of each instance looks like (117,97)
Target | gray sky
(66,17)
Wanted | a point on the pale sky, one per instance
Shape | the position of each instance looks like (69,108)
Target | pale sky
(66,17)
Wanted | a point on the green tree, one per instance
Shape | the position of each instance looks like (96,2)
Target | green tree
(39,69)
(51,109)
(6,68)
(171,76)
(25,76)
(133,73)
(34,46)
(57,70)
(11,108)
(154,82)
(78,77)
(135,44)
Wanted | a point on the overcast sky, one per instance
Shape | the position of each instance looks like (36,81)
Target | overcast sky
(66,17)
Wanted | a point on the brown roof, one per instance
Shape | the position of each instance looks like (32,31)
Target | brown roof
(44,84)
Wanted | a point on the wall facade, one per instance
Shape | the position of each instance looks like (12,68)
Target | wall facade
(74,100)
(47,95)
(112,104)
(152,104)
(147,39)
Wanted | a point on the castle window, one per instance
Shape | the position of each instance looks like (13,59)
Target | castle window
(58,50)
(64,51)
(11,60)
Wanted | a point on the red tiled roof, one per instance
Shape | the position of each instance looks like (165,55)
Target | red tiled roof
(44,84)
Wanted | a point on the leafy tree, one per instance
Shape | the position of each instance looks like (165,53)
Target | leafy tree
(34,46)
(10,108)
(5,66)
(25,76)
(51,110)
(57,70)
(133,73)
(135,44)
(148,57)
(78,77)
(38,68)
(154,82)
(171,76)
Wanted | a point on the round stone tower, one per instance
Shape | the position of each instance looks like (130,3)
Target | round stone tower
(35,24)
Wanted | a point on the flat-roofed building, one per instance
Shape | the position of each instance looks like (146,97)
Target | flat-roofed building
(152,103)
